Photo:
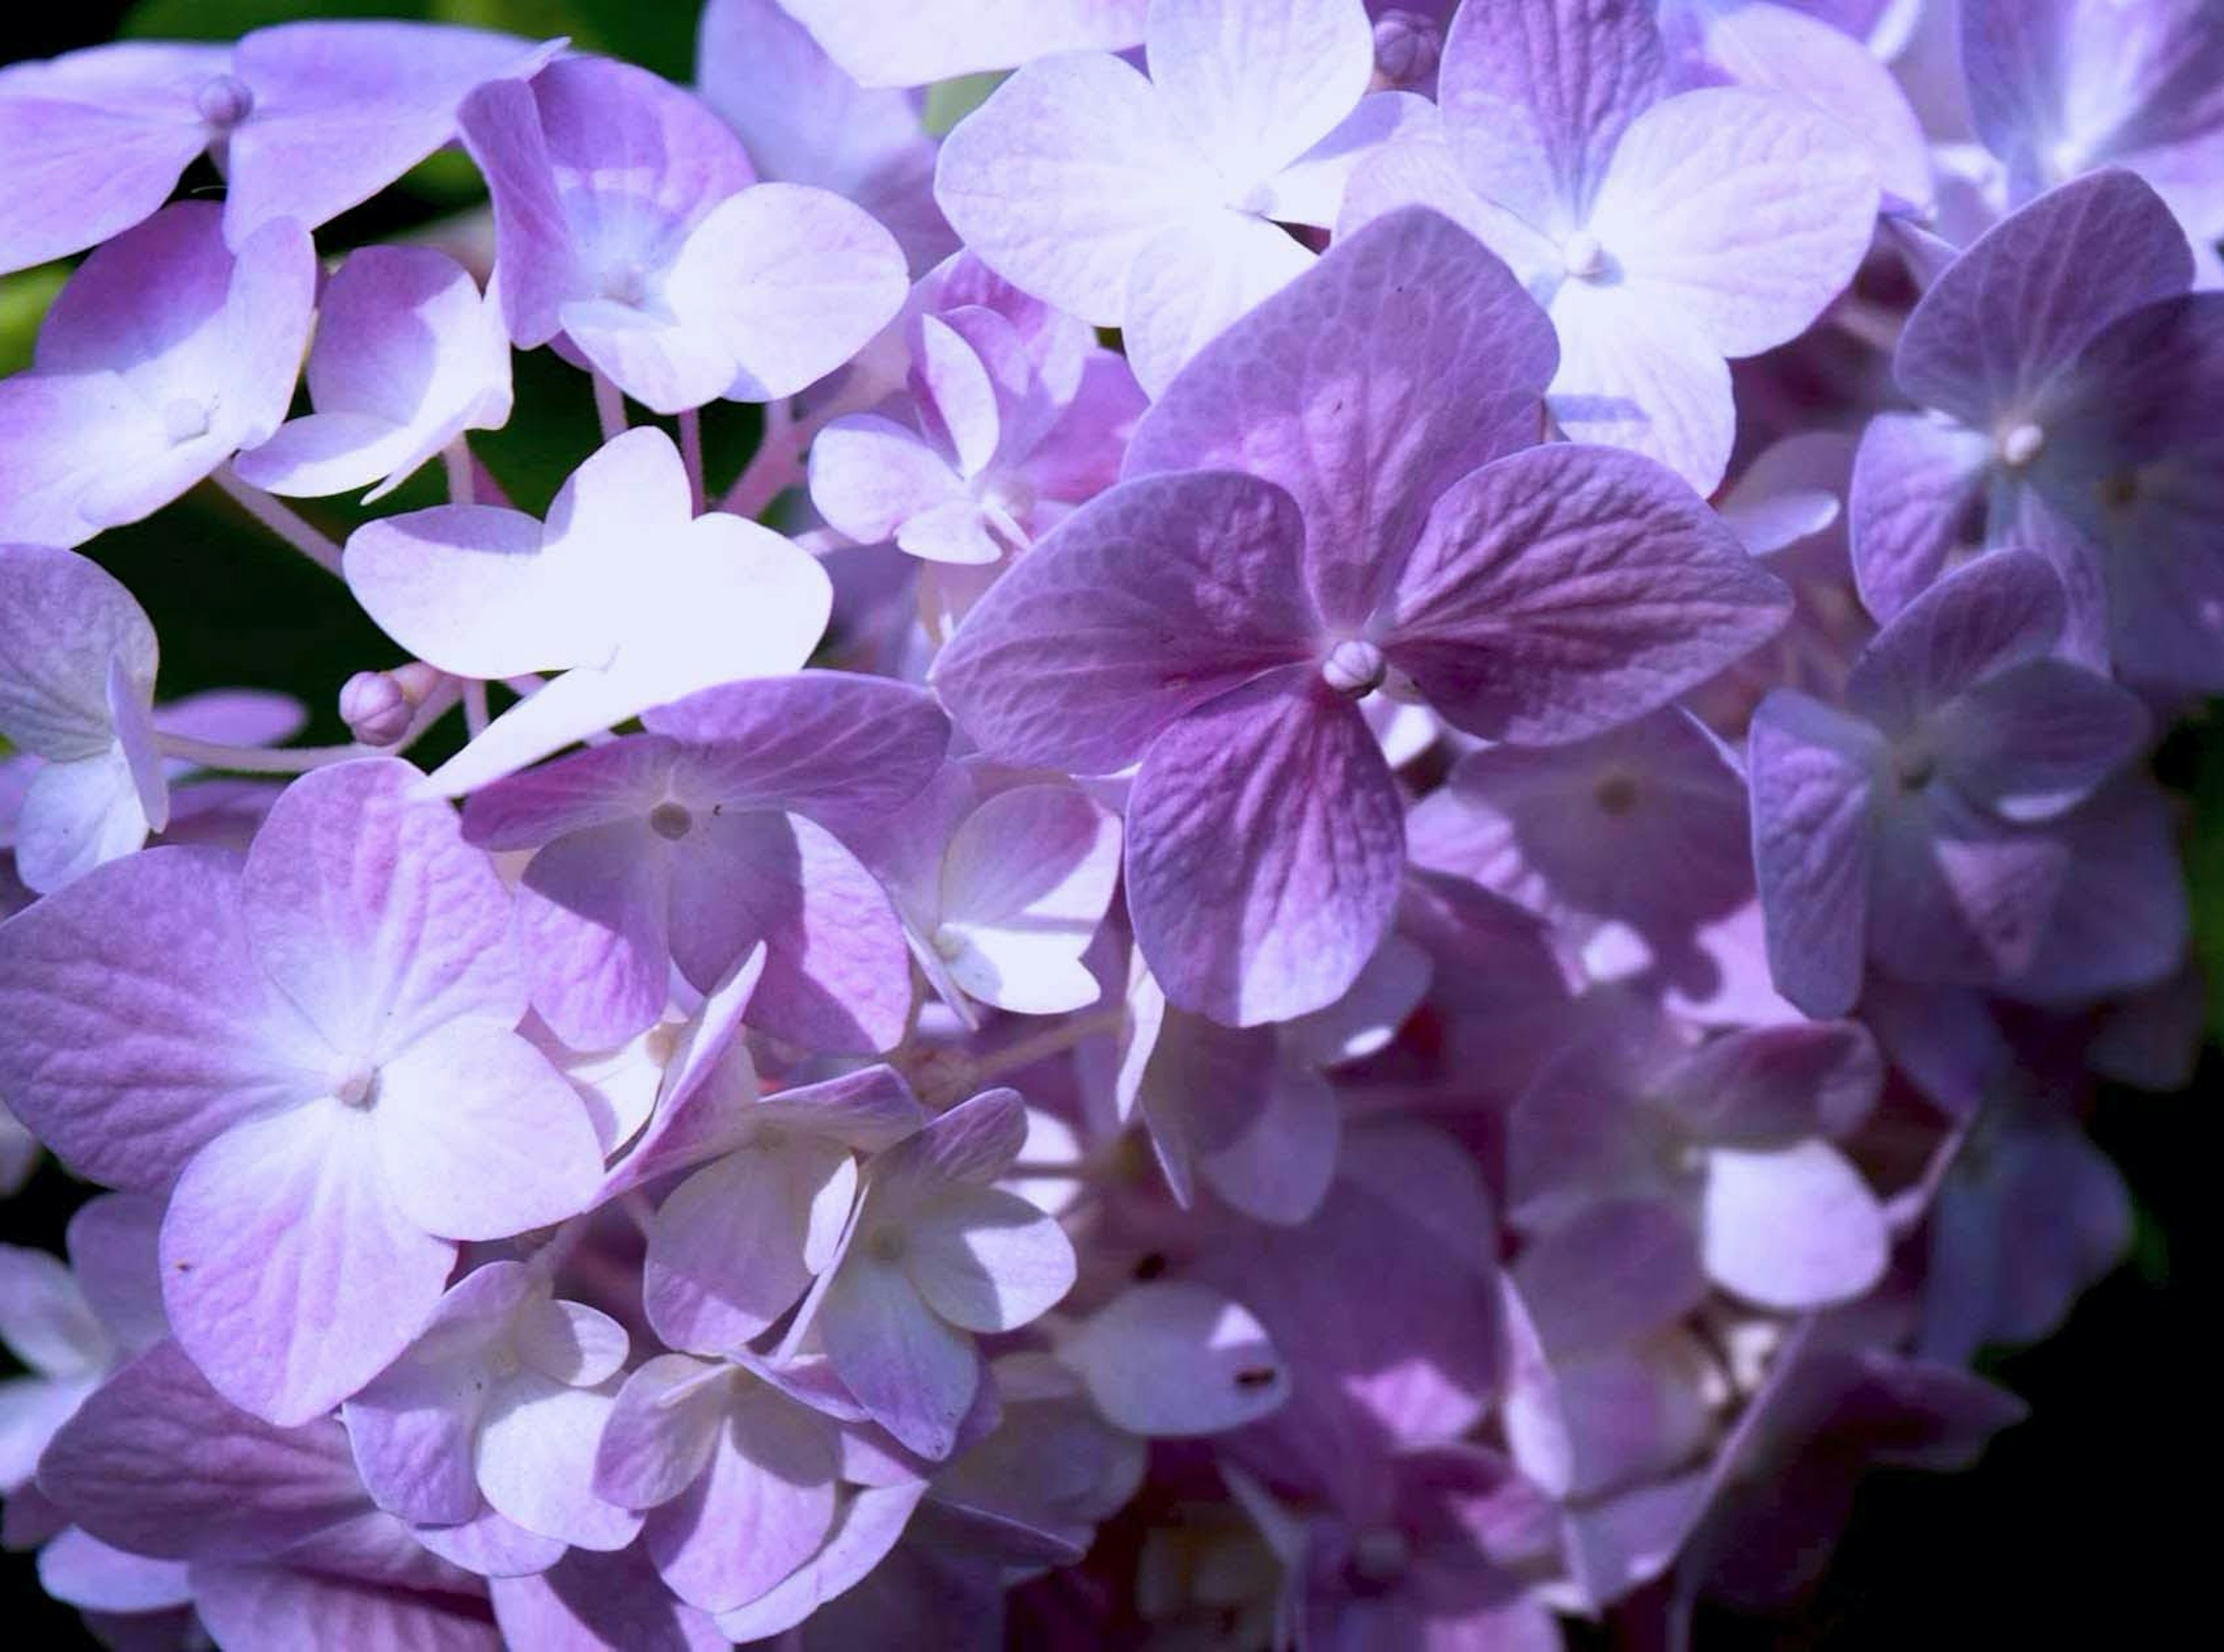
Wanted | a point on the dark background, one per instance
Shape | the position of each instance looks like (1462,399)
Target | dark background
(2074,1529)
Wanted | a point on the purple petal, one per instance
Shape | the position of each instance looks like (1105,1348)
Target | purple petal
(1613,1275)
(1815,773)
(1566,589)
(867,1527)
(64,624)
(604,785)
(259,1607)
(730,1249)
(536,1457)
(159,1464)
(761,1509)
(1791,1228)
(987,1260)
(911,1369)
(293,1309)
(1536,93)
(601,1603)
(1638,375)
(1957,895)
(887,43)
(1918,481)
(1171,1360)
(365,905)
(662,1431)
(1256,83)
(1024,885)
(2001,610)
(869,476)
(1770,1084)
(2039,269)
(1165,594)
(140,1027)
(1264,851)
(78,1568)
(590,921)
(1341,389)
(2034,740)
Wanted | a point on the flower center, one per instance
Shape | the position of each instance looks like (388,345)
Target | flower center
(671,821)
(225,101)
(185,419)
(1615,793)
(1407,47)
(625,283)
(1914,767)
(358,1087)
(948,942)
(2021,445)
(1582,256)
(886,1244)
(1381,1554)
(1354,667)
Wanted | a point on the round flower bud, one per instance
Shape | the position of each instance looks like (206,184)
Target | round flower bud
(225,101)
(1407,47)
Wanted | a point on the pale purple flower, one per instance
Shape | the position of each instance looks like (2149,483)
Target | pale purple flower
(1221,627)
(164,354)
(1151,203)
(321,1036)
(625,589)
(934,1253)
(408,356)
(305,120)
(2064,364)
(803,120)
(1172,1359)
(1652,1164)
(1663,234)
(718,829)
(502,1398)
(629,222)
(1919,826)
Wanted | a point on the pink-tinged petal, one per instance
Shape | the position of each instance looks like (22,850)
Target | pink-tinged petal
(466,588)
(158,1463)
(1256,83)
(1766,1086)
(367,908)
(78,1568)
(1744,211)
(296,1306)
(2037,267)
(76,816)
(66,623)
(1265,847)
(1059,181)
(1613,1274)
(536,1457)
(1171,1359)
(344,108)
(1341,390)
(1163,594)
(1565,589)
(481,1137)
(139,1027)
(837,974)
(1815,773)
(915,1373)
(590,921)
(601,785)
(817,742)
(1957,895)
(261,1608)
(988,1260)
(2034,740)
(1538,94)
(1638,376)
(870,475)
(727,1250)
(2001,610)
(663,1430)
(900,43)
(1193,279)
(1025,883)
(1919,480)
(790,282)
(89,162)
(763,1508)
(1791,1228)
(600,1603)
(866,1528)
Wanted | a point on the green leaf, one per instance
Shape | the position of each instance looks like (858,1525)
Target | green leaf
(226,20)
(655,34)
(2204,866)
(949,102)
(24,300)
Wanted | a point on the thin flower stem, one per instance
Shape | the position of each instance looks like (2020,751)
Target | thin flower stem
(258,760)
(691,451)
(281,519)
(610,408)
(773,469)
(475,708)
(952,1081)
(462,473)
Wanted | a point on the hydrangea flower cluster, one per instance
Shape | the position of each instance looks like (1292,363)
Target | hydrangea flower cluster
(1360,897)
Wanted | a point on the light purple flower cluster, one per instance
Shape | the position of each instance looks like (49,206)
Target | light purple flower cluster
(1296,931)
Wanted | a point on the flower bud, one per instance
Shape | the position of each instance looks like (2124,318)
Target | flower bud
(379,707)
(1407,47)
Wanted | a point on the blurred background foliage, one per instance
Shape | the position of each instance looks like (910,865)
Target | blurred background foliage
(2072,1532)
